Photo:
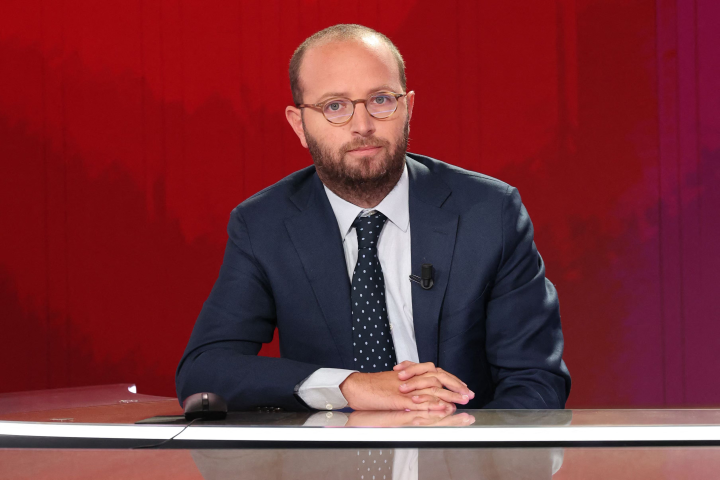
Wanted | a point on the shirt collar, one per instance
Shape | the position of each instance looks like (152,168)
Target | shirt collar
(394,206)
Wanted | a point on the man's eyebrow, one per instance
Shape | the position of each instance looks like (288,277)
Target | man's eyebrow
(345,94)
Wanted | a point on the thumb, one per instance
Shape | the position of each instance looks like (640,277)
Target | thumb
(403,365)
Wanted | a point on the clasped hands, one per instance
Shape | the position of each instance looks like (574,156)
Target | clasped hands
(408,386)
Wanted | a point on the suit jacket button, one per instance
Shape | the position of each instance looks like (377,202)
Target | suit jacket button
(328,406)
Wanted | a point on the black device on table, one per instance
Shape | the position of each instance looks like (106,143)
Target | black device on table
(205,406)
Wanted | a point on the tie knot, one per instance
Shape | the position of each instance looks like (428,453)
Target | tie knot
(368,229)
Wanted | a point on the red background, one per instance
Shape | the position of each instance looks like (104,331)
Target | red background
(130,129)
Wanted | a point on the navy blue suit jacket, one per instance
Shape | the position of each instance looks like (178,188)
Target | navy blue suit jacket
(491,318)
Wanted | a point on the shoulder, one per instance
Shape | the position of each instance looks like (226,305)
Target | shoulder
(468,188)
(275,200)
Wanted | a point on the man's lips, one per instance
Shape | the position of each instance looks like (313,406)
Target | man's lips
(365,149)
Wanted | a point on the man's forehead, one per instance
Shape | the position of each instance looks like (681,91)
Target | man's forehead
(337,66)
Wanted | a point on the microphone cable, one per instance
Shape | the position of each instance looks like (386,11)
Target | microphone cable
(155,445)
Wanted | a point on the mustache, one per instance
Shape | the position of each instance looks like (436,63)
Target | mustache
(366,142)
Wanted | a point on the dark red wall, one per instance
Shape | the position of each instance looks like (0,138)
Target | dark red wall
(130,129)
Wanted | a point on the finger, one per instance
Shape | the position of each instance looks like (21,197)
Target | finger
(419,383)
(440,405)
(439,379)
(443,394)
(441,370)
(402,365)
(451,382)
(436,414)
(430,380)
(433,403)
(416,369)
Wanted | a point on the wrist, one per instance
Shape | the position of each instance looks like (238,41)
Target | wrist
(347,387)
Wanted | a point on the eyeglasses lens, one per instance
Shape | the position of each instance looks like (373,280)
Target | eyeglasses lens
(381,106)
(338,111)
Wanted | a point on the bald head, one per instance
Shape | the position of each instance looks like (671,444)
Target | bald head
(368,37)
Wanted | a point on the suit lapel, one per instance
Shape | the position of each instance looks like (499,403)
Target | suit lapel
(432,233)
(316,237)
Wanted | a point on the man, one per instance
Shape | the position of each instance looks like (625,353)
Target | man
(326,254)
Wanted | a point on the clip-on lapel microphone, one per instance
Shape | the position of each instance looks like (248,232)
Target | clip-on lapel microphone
(426,276)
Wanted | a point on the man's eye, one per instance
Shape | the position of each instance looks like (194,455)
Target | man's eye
(335,106)
(381,99)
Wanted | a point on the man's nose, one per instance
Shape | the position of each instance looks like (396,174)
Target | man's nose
(362,122)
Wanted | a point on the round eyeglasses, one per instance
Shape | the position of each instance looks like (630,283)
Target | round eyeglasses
(340,110)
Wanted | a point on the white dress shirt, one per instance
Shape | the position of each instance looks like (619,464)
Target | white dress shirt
(321,390)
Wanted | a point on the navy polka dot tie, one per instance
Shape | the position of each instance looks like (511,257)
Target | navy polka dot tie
(372,342)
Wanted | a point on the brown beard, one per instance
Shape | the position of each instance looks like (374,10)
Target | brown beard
(357,185)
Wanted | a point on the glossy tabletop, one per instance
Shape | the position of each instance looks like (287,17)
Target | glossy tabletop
(389,445)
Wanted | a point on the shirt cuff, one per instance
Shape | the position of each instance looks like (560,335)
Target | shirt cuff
(321,390)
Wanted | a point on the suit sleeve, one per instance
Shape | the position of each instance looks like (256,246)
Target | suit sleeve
(524,336)
(236,319)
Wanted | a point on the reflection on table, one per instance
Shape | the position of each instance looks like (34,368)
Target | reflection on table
(389,463)
(380,464)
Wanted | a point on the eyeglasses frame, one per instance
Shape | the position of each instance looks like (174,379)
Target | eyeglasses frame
(321,105)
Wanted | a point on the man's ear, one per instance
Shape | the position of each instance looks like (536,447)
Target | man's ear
(294,118)
(410,102)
